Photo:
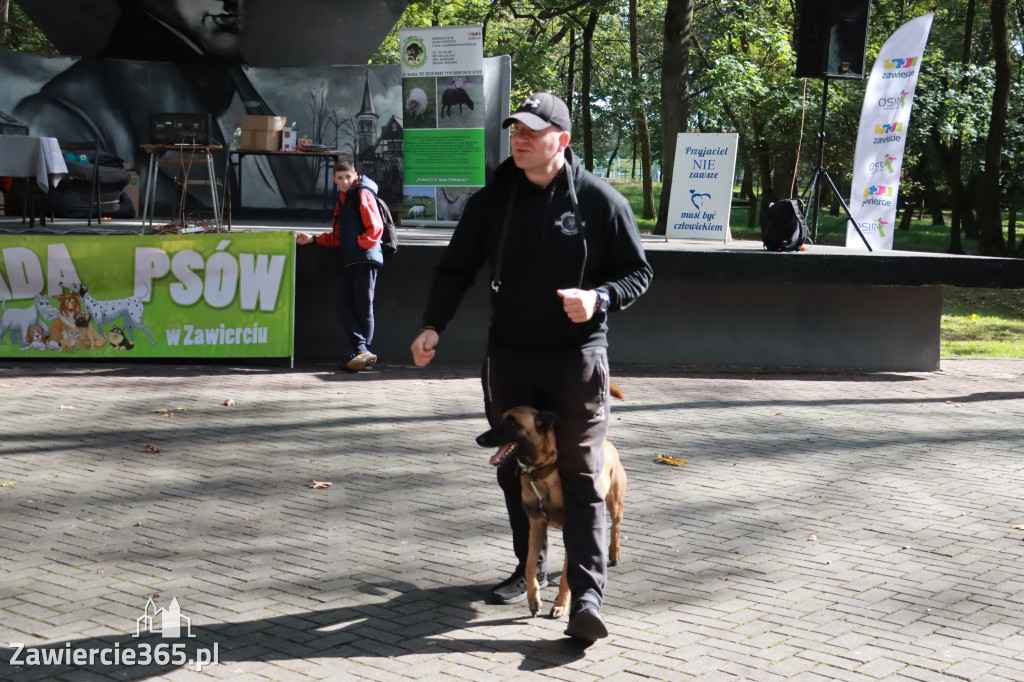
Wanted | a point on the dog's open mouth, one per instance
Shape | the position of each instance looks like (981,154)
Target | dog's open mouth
(502,454)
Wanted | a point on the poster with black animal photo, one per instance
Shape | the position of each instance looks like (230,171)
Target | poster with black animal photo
(443,95)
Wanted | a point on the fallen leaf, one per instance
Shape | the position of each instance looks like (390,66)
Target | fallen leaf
(813,538)
(950,402)
(674,461)
(181,409)
(5,385)
(160,410)
(66,407)
(319,484)
(341,391)
(229,402)
(1017,527)
(8,484)
(151,448)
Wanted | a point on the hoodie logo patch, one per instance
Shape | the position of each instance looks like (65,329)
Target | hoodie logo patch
(567,223)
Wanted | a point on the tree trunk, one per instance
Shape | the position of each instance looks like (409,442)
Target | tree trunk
(990,217)
(588,123)
(640,113)
(908,215)
(570,80)
(1011,228)
(675,86)
(747,192)
(611,157)
(4,14)
(935,206)
(956,155)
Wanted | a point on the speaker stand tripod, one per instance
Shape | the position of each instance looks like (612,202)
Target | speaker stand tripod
(815,185)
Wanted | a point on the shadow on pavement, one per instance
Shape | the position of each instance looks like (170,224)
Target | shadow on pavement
(415,621)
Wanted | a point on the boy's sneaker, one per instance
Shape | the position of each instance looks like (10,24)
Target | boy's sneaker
(360,361)
(512,589)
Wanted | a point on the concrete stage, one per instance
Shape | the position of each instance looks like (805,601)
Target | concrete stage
(711,304)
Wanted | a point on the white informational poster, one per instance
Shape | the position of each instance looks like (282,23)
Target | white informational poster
(443,137)
(702,181)
(884,121)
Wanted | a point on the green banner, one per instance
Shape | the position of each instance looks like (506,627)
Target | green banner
(444,157)
(443,134)
(203,295)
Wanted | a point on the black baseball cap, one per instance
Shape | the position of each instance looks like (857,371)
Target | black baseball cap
(540,111)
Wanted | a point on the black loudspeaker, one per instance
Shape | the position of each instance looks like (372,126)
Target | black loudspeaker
(831,38)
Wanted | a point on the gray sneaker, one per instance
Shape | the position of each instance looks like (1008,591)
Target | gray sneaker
(512,589)
(360,361)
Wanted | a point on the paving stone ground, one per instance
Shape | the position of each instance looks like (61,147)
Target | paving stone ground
(835,526)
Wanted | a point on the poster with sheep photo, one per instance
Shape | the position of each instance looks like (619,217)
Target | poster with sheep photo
(443,102)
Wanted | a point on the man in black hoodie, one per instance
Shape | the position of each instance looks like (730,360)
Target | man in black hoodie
(553,284)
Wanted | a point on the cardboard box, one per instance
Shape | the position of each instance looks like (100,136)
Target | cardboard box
(263,124)
(260,141)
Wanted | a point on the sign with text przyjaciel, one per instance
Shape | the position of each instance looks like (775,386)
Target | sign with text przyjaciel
(702,180)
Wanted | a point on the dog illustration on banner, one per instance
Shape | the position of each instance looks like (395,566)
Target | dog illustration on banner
(117,339)
(16,322)
(37,338)
(129,308)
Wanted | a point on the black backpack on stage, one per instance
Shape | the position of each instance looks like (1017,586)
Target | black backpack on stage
(783,227)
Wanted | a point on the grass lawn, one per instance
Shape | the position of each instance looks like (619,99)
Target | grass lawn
(975,322)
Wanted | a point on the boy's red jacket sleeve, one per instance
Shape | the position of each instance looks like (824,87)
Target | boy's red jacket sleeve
(330,238)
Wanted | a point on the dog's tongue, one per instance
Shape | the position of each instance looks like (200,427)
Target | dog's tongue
(500,455)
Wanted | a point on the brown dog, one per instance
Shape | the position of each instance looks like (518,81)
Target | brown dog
(89,337)
(67,306)
(529,436)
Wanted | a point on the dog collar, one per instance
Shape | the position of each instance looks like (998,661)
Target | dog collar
(543,473)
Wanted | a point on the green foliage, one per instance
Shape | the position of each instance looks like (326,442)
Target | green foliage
(23,35)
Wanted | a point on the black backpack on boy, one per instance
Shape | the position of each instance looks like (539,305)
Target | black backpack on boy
(388,240)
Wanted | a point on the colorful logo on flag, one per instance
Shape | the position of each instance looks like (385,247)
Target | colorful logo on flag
(878,191)
(895,102)
(888,128)
(885,163)
(900,63)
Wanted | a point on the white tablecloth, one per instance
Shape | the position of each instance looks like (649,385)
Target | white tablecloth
(22,156)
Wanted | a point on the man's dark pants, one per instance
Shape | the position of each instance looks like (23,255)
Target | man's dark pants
(358,283)
(573,383)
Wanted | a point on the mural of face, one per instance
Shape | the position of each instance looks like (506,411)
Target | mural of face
(213,25)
